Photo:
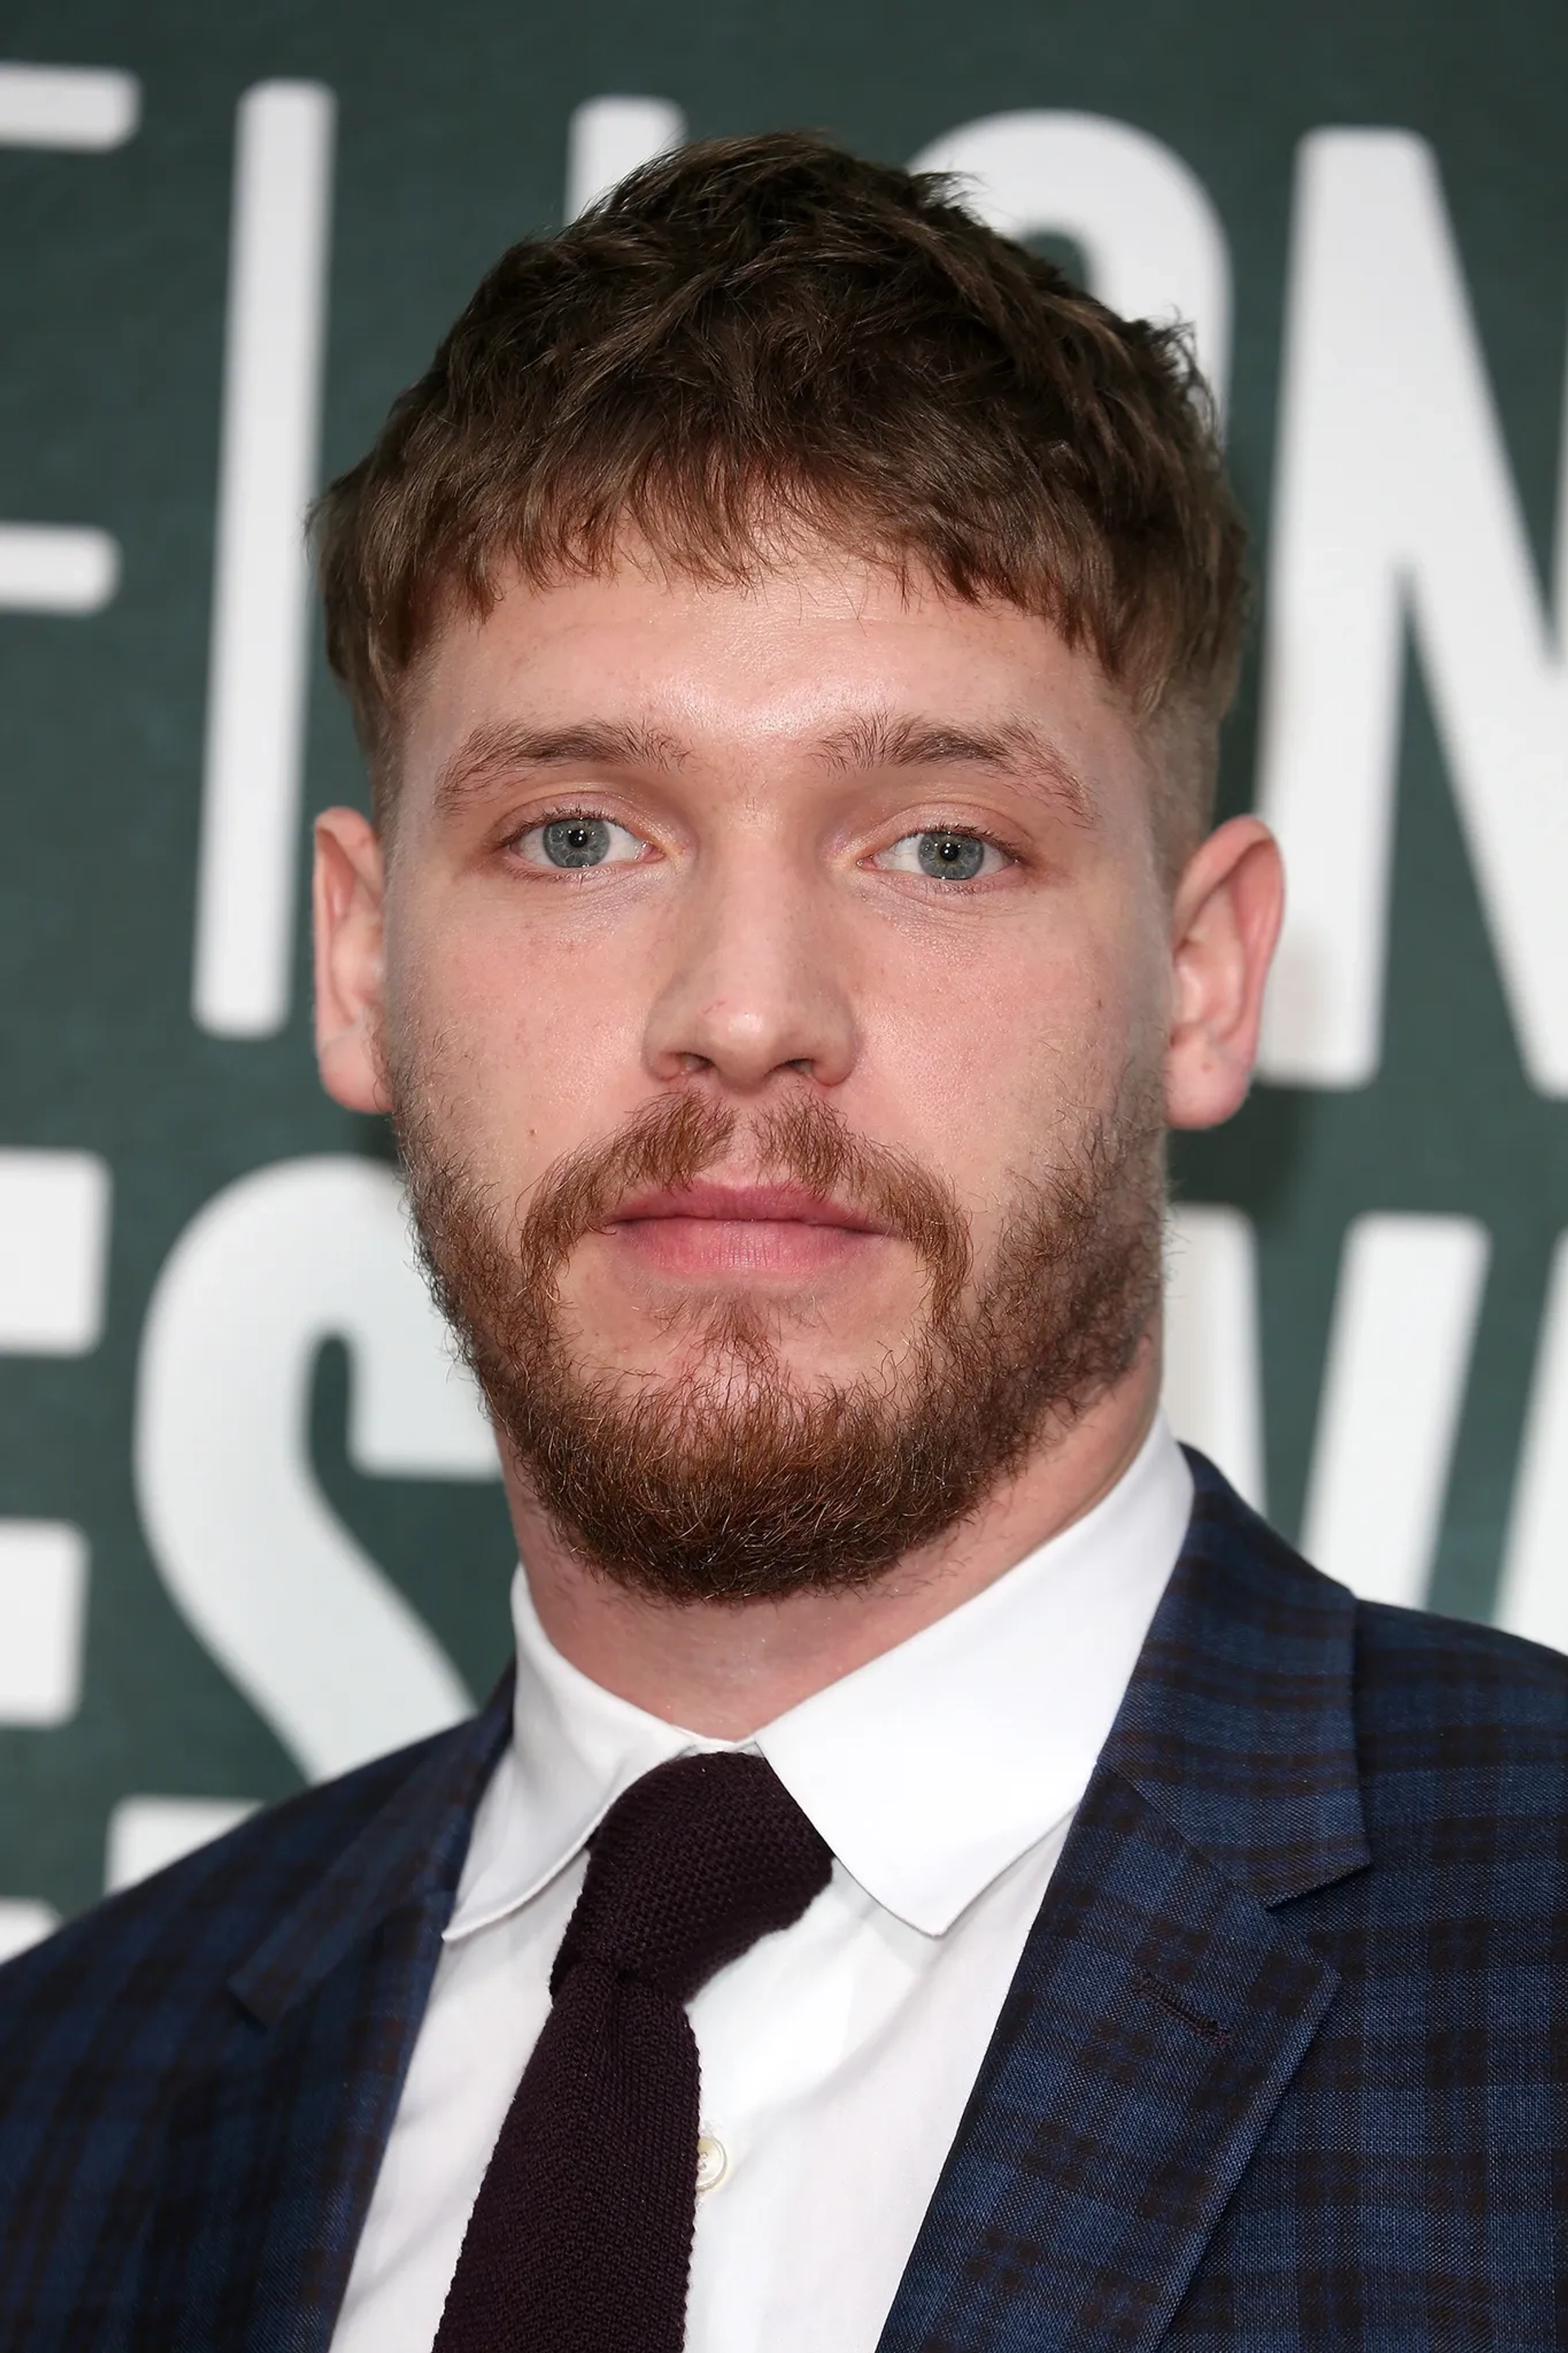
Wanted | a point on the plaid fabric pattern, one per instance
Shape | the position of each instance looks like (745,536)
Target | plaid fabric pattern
(197,2079)
(1281,2069)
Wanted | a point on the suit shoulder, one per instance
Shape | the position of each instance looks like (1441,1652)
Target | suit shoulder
(187,1927)
(1409,1661)
(1416,1660)
(1462,1739)
(1446,1713)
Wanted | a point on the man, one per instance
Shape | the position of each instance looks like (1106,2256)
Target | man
(947,1876)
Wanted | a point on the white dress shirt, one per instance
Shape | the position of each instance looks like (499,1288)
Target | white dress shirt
(837,2056)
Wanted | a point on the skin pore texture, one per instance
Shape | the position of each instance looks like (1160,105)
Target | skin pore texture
(846,893)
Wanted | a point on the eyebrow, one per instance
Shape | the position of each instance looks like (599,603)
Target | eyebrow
(1013,748)
(492,754)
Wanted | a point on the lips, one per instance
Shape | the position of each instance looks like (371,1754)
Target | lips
(711,1203)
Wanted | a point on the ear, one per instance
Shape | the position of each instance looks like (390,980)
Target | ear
(1226,919)
(348,897)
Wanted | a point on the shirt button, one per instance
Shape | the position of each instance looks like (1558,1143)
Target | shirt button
(713,2162)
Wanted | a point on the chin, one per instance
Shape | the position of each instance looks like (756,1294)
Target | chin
(726,1373)
(728,1335)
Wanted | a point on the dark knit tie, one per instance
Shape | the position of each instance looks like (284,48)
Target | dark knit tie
(580,2240)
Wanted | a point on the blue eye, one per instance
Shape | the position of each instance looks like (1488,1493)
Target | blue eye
(575,841)
(945,855)
(951,857)
(570,843)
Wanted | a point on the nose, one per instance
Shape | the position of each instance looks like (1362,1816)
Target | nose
(758,980)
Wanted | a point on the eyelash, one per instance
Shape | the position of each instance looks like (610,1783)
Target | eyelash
(569,813)
(565,815)
(1010,850)
(970,832)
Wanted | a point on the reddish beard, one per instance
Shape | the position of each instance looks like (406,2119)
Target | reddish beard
(735,1481)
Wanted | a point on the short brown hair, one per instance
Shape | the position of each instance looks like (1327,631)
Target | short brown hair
(767,333)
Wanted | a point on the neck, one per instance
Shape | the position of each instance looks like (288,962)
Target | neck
(723,1669)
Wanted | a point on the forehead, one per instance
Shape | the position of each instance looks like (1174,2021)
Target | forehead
(822,654)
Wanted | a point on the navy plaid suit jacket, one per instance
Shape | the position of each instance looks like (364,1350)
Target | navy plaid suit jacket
(1282,2067)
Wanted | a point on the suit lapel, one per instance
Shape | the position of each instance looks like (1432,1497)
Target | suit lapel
(1159,2010)
(271,2155)
(1157,2016)
(1155,2019)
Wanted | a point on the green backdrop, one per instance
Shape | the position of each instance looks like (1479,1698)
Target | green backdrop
(205,1499)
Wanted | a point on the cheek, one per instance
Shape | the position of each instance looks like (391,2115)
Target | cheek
(987,1081)
(1050,1017)
(518,1051)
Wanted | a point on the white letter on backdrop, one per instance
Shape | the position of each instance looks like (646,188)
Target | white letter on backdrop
(1399,1354)
(62,567)
(1153,243)
(609,137)
(1532,1593)
(55,1216)
(1214,1381)
(295,1613)
(1395,504)
(258,666)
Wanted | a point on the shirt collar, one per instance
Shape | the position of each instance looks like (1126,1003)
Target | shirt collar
(928,1771)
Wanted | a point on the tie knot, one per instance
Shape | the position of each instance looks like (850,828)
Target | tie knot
(688,1868)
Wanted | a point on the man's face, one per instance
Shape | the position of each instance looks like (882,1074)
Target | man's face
(846,894)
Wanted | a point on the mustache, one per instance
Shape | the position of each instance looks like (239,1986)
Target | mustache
(673,1141)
